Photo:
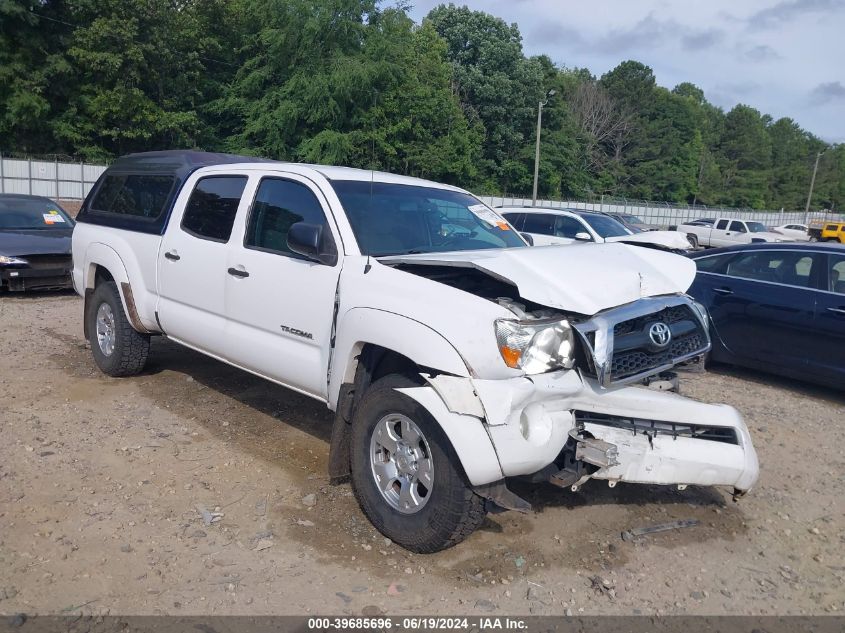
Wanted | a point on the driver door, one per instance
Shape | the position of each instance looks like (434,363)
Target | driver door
(280,305)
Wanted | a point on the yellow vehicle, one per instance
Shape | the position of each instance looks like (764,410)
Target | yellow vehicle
(833,232)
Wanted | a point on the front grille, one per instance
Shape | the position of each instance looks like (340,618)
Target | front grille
(41,262)
(654,428)
(629,353)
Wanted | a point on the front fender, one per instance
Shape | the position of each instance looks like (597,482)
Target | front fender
(417,341)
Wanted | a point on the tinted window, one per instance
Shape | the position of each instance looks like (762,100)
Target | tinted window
(541,223)
(212,207)
(279,204)
(783,267)
(133,195)
(566,226)
(713,264)
(722,224)
(32,214)
(516,219)
(836,279)
(739,227)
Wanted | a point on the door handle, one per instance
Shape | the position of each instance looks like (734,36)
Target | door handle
(172,255)
(238,273)
(723,291)
(837,310)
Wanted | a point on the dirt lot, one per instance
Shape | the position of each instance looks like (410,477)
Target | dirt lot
(101,480)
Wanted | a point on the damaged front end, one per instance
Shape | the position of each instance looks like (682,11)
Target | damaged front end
(564,429)
(580,410)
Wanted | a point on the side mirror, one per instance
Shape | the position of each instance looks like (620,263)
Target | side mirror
(583,236)
(308,240)
(528,238)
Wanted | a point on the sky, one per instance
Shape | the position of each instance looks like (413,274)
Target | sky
(785,58)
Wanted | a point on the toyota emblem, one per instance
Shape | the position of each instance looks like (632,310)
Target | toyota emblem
(660,334)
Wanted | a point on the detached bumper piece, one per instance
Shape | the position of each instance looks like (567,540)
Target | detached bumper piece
(42,272)
(669,453)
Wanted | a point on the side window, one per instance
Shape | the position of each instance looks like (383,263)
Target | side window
(836,278)
(739,227)
(516,219)
(568,227)
(541,223)
(279,204)
(135,195)
(722,224)
(713,264)
(211,209)
(783,267)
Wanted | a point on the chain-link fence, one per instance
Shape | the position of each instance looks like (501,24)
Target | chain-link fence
(666,214)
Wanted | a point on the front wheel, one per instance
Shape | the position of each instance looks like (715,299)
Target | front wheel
(405,473)
(118,349)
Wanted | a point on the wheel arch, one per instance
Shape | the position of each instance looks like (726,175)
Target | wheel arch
(103,264)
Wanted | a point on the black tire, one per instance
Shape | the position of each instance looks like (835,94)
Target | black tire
(451,513)
(130,346)
(693,240)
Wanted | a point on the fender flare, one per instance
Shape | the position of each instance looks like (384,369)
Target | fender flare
(413,339)
(99,254)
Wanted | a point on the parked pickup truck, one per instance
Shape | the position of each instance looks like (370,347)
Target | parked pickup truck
(714,232)
(453,355)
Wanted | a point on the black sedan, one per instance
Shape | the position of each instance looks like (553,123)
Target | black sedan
(35,236)
(778,308)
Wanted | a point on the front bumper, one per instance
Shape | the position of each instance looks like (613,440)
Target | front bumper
(660,437)
(54,275)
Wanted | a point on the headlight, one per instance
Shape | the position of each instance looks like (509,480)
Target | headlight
(6,259)
(535,346)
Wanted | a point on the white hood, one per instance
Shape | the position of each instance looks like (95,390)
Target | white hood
(669,239)
(770,236)
(582,278)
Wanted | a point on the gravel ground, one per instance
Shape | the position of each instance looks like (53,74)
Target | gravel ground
(103,483)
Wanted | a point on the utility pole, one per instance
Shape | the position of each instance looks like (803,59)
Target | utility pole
(812,184)
(549,94)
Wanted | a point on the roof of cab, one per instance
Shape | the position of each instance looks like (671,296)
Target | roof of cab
(181,163)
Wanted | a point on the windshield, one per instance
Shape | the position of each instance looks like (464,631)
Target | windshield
(756,227)
(393,219)
(32,214)
(605,226)
(632,219)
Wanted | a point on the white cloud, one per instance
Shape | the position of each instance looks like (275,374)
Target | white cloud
(770,54)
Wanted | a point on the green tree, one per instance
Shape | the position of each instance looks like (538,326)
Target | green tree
(745,155)
(497,85)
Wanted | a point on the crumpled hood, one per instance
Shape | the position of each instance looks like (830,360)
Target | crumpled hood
(35,242)
(669,239)
(582,278)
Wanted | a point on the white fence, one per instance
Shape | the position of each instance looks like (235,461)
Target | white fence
(665,214)
(50,178)
(73,180)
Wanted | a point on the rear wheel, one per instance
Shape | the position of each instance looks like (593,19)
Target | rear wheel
(693,240)
(405,473)
(118,349)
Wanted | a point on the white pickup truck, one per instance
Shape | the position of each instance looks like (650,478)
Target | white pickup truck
(453,355)
(714,232)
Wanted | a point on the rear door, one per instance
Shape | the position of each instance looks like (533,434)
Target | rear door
(718,234)
(279,305)
(762,306)
(192,262)
(827,358)
(541,227)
